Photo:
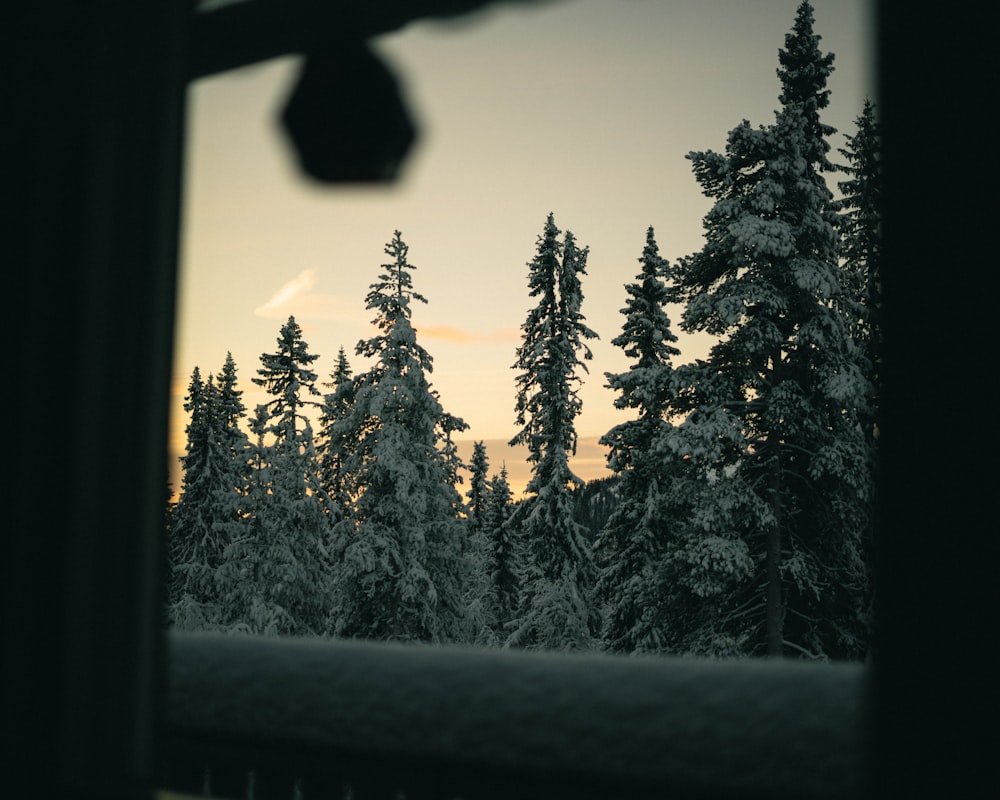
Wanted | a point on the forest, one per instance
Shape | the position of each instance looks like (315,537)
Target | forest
(739,517)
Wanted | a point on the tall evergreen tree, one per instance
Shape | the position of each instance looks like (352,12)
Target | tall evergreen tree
(207,516)
(785,369)
(861,231)
(447,426)
(478,494)
(403,573)
(502,559)
(231,405)
(286,375)
(330,449)
(260,462)
(477,540)
(232,412)
(630,547)
(557,606)
(243,573)
(861,250)
(278,574)
(716,514)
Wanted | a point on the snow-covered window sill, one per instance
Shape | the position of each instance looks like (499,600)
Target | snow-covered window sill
(300,718)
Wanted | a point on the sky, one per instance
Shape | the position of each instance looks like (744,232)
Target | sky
(582,108)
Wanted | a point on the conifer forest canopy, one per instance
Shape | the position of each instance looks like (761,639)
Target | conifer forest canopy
(737,513)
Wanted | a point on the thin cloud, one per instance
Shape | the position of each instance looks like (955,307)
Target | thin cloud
(297,298)
(301,283)
(449,333)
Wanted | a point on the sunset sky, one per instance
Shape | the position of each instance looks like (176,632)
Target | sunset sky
(585,108)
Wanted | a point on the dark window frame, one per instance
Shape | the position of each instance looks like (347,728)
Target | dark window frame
(96,115)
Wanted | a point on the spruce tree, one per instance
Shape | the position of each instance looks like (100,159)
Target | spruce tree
(244,572)
(503,558)
(231,405)
(260,460)
(330,449)
(207,515)
(477,542)
(402,569)
(556,608)
(478,494)
(630,547)
(861,250)
(706,573)
(278,574)
(286,375)
(785,371)
(447,426)
(232,412)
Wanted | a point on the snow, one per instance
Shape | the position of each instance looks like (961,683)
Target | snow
(763,728)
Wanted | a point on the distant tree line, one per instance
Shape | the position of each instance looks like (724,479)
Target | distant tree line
(738,518)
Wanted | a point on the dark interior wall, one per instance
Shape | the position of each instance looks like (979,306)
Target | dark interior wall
(92,124)
(935,694)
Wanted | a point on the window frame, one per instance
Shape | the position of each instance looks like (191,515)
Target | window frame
(97,95)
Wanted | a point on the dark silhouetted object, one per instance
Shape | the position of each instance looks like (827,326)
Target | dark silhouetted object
(346,118)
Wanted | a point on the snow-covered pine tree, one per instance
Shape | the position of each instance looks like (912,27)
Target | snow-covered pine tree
(503,558)
(286,375)
(242,575)
(232,412)
(786,369)
(448,425)
(207,515)
(471,544)
(630,547)
(278,574)
(478,545)
(301,518)
(861,251)
(706,569)
(478,494)
(337,404)
(556,608)
(402,571)
(861,242)
(260,461)
(231,405)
